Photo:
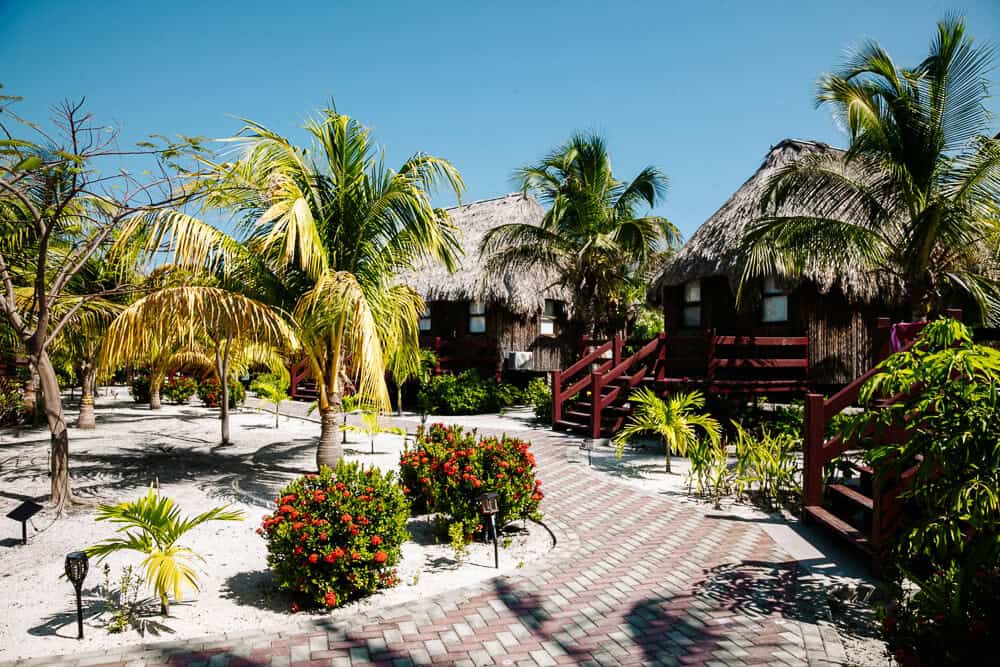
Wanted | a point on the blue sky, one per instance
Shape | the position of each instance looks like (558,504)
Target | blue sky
(699,89)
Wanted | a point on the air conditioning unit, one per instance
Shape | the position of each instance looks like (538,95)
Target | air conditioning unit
(519,361)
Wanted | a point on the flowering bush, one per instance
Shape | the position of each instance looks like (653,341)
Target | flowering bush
(179,389)
(451,468)
(210,393)
(335,536)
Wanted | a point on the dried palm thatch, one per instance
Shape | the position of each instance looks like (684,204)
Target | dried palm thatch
(521,293)
(714,250)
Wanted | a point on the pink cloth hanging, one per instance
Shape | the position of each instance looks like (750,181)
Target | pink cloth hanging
(903,333)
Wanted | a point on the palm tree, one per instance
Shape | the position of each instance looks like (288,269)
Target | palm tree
(913,200)
(673,420)
(273,387)
(322,232)
(152,525)
(592,236)
(228,326)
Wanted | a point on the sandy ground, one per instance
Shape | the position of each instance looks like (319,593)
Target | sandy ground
(177,446)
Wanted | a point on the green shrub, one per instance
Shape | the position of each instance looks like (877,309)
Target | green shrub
(140,388)
(942,569)
(450,468)
(767,462)
(11,401)
(210,393)
(539,396)
(648,323)
(179,389)
(335,537)
(466,394)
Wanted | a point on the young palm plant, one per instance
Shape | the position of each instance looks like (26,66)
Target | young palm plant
(674,420)
(593,236)
(273,387)
(913,200)
(152,525)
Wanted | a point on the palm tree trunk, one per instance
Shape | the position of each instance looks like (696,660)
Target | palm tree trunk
(31,393)
(155,382)
(329,451)
(277,406)
(222,369)
(667,447)
(88,380)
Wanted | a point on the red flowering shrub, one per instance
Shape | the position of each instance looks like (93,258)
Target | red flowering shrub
(210,393)
(450,468)
(335,536)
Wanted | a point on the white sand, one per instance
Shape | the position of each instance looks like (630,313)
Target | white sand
(134,446)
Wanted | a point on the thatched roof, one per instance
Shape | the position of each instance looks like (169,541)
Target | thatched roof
(522,293)
(713,249)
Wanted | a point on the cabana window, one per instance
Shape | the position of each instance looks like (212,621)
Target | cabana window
(425,318)
(552,311)
(692,304)
(775,306)
(477,317)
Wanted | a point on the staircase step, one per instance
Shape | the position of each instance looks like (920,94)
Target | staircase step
(852,495)
(840,527)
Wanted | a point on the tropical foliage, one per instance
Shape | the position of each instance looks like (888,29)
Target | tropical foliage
(465,394)
(674,420)
(273,388)
(914,200)
(450,468)
(336,536)
(179,389)
(948,544)
(152,525)
(321,233)
(593,236)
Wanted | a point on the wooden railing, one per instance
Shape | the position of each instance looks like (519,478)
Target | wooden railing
(637,367)
(568,383)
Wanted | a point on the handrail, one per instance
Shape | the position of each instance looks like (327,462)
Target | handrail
(640,355)
(561,394)
(587,359)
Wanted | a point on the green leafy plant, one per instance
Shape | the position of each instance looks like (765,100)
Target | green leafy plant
(466,394)
(371,426)
(942,569)
(11,401)
(336,536)
(152,525)
(139,388)
(539,396)
(450,468)
(272,387)
(647,324)
(123,601)
(179,389)
(673,420)
(768,461)
(459,540)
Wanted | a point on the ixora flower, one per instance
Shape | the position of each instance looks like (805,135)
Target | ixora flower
(347,541)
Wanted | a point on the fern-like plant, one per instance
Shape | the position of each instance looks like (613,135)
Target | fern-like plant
(152,525)
(674,420)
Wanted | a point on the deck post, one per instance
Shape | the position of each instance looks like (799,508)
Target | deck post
(596,385)
(616,351)
(709,357)
(556,397)
(813,438)
(661,357)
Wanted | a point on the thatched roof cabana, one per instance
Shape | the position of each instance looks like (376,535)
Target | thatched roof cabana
(521,293)
(713,250)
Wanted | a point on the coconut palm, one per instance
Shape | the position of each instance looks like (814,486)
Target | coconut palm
(229,326)
(913,200)
(152,525)
(321,233)
(674,420)
(592,236)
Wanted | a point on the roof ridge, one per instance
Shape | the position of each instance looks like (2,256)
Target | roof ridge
(489,199)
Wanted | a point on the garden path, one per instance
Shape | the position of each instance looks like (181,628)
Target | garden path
(635,579)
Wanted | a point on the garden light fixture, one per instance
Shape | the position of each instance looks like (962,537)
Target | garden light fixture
(77,565)
(489,504)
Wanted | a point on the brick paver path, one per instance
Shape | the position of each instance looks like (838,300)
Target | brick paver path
(635,579)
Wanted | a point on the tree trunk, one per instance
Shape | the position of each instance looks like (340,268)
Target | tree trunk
(31,394)
(88,380)
(154,393)
(329,451)
(222,370)
(277,406)
(59,459)
(667,447)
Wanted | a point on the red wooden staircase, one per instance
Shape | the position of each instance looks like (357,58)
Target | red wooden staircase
(591,397)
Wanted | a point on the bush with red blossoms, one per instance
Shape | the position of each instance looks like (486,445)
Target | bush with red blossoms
(335,537)
(450,468)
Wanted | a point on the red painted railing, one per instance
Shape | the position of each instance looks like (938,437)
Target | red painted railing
(637,366)
(568,383)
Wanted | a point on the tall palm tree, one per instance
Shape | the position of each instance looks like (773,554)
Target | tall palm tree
(592,238)
(674,420)
(321,233)
(913,200)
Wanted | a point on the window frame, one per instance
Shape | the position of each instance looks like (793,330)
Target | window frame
(691,305)
(476,312)
(771,291)
(425,317)
(550,318)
